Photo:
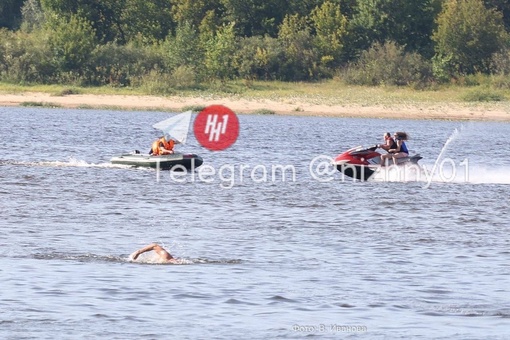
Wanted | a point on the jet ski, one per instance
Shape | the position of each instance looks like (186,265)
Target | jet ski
(362,162)
(175,161)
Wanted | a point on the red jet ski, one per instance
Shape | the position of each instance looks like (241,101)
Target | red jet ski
(361,162)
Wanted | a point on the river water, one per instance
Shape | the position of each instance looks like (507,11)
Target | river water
(303,252)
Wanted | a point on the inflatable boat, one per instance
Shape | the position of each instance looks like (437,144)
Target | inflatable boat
(175,161)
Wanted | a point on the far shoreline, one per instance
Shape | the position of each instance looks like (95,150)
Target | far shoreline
(492,111)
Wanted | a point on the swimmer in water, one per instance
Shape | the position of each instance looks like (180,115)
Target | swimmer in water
(163,255)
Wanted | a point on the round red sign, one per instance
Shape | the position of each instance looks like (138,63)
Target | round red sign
(216,127)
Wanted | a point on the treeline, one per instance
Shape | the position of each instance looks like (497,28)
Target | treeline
(172,44)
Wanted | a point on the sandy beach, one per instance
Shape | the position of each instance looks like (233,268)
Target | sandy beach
(496,111)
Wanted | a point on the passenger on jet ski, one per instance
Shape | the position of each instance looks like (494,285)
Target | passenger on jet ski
(162,147)
(389,142)
(400,151)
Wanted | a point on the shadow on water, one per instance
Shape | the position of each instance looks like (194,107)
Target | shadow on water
(93,258)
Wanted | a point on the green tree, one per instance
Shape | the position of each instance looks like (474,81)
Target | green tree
(259,58)
(408,23)
(208,27)
(500,64)
(504,7)
(330,31)
(193,11)
(150,20)
(122,65)
(302,8)
(119,20)
(255,17)
(10,13)
(348,7)
(388,64)
(104,15)
(262,17)
(219,53)
(300,61)
(184,49)
(72,42)
(25,58)
(33,16)
(467,36)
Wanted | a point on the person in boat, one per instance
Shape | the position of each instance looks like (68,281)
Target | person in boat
(162,146)
(389,142)
(399,151)
(163,255)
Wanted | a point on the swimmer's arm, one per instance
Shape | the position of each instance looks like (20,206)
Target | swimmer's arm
(137,253)
(163,253)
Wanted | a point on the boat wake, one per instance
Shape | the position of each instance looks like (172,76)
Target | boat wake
(480,174)
(126,259)
(445,170)
(181,261)
(472,174)
(72,162)
(79,258)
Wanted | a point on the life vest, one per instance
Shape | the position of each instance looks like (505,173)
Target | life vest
(403,148)
(169,145)
(393,144)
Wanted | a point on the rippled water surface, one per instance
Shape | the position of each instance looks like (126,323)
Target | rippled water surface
(264,257)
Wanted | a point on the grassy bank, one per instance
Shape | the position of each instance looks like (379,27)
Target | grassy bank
(330,98)
(323,93)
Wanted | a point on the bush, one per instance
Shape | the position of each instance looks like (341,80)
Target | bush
(25,58)
(219,54)
(483,95)
(388,64)
(155,83)
(467,36)
(183,49)
(183,77)
(264,112)
(162,83)
(476,79)
(67,91)
(500,62)
(118,65)
(258,58)
(500,81)
(71,42)
(300,59)
(194,108)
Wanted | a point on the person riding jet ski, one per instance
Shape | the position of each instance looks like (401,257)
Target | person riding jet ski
(389,142)
(399,150)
